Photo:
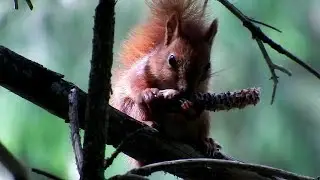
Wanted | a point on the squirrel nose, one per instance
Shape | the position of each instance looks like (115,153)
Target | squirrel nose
(183,89)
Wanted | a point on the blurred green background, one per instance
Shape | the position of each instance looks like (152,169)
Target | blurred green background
(58,35)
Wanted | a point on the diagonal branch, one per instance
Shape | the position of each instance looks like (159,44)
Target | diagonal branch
(29,4)
(46,174)
(12,164)
(118,150)
(16,4)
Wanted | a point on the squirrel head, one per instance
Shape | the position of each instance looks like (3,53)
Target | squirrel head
(182,61)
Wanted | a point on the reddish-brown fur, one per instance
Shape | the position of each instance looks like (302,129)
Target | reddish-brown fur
(178,28)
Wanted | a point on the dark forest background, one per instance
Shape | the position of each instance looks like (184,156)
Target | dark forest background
(58,35)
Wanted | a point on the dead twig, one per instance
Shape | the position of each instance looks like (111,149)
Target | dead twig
(12,164)
(272,68)
(118,150)
(16,4)
(74,127)
(261,37)
(46,174)
(29,4)
(264,24)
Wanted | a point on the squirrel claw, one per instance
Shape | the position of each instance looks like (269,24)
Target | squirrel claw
(211,147)
(148,95)
(189,108)
(186,104)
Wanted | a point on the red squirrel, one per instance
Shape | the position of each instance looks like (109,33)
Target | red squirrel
(165,56)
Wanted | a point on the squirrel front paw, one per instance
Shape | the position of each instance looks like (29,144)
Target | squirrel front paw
(148,95)
(168,93)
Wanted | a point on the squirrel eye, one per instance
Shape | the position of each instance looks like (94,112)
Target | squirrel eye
(172,61)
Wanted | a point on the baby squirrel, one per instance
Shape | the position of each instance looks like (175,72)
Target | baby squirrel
(166,56)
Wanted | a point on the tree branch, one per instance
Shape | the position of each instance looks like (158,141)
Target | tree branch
(48,90)
(46,174)
(110,160)
(12,164)
(16,4)
(182,165)
(260,36)
(97,115)
(74,127)
(272,68)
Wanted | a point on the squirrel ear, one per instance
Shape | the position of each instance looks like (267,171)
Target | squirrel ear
(172,29)
(211,32)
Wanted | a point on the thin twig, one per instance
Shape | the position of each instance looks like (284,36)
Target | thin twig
(258,34)
(214,163)
(29,4)
(264,24)
(128,177)
(272,68)
(74,126)
(118,150)
(46,174)
(16,4)
(8,160)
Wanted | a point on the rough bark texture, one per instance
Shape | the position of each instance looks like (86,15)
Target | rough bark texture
(97,116)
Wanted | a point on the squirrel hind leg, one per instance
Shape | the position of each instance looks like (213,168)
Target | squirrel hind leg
(208,146)
(134,163)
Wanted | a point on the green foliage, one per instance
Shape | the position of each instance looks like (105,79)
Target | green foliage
(58,35)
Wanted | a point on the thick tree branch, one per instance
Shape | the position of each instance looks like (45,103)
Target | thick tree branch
(48,90)
(97,115)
